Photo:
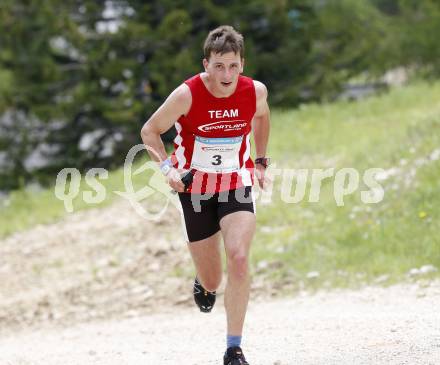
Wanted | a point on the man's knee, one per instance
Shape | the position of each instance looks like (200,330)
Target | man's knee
(211,282)
(238,263)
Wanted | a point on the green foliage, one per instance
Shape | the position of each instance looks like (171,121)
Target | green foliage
(351,38)
(85,66)
(421,23)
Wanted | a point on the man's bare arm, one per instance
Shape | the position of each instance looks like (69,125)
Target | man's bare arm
(261,121)
(178,103)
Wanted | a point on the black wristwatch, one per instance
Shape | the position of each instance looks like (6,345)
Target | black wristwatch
(263,161)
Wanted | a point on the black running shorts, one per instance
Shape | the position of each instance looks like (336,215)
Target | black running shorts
(202,212)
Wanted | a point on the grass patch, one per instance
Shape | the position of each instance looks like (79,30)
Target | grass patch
(24,208)
(322,244)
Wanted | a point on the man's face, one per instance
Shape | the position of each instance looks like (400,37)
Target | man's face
(223,71)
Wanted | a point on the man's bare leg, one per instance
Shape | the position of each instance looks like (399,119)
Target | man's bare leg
(207,260)
(238,229)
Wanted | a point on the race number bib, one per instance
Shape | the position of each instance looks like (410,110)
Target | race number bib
(217,155)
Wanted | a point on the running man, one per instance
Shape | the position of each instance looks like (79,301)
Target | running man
(214,113)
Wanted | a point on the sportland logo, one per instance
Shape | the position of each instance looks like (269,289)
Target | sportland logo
(217,149)
(292,188)
(223,125)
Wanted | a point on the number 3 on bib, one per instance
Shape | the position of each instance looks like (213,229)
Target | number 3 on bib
(218,160)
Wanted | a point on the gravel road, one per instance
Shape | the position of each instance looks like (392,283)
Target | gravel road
(395,325)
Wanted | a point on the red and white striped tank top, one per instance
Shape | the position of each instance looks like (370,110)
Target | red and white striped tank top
(213,139)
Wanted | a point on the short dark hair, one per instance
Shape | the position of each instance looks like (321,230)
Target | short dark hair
(222,40)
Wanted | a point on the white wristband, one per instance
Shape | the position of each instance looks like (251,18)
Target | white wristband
(165,166)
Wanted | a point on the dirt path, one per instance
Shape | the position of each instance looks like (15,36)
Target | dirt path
(98,263)
(398,325)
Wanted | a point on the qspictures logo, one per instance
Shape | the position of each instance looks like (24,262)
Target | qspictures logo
(68,186)
(293,186)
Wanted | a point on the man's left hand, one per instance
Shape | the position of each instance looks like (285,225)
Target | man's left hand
(263,177)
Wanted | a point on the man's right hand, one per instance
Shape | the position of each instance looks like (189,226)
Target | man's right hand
(175,181)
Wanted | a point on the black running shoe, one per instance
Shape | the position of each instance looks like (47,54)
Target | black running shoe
(204,299)
(234,356)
